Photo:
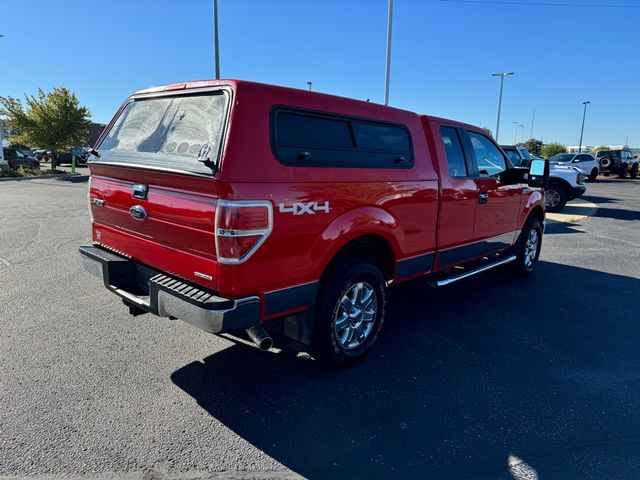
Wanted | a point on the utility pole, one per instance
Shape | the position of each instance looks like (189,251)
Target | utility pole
(216,45)
(584,115)
(501,75)
(388,71)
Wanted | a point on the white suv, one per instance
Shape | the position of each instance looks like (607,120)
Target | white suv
(565,182)
(587,164)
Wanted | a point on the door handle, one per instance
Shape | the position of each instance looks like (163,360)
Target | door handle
(483,197)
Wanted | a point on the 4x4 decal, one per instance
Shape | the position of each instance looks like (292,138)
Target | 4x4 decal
(300,208)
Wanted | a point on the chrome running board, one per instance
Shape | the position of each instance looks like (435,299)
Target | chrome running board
(448,281)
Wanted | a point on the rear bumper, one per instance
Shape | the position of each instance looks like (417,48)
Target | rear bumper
(578,191)
(152,291)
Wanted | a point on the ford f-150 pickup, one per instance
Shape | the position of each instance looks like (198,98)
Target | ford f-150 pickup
(229,204)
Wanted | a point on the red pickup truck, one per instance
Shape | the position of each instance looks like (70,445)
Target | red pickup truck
(229,203)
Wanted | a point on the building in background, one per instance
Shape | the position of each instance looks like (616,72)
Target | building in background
(95,129)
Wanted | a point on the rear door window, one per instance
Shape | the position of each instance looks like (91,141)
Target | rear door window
(177,132)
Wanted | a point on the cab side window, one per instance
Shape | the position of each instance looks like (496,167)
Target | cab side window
(453,149)
(490,160)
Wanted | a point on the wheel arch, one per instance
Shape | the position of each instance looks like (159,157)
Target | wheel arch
(562,183)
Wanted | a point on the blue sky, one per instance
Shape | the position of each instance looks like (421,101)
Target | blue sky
(443,55)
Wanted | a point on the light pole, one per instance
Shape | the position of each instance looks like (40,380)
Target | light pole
(533,119)
(309,83)
(584,115)
(501,75)
(216,46)
(515,132)
(388,71)
(522,133)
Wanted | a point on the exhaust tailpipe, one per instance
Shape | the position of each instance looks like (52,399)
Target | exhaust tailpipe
(260,337)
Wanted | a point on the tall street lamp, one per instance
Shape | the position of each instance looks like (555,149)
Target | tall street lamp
(521,133)
(501,75)
(515,133)
(388,69)
(309,83)
(584,115)
(216,46)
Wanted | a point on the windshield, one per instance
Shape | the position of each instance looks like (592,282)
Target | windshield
(173,132)
(562,158)
(514,156)
(525,153)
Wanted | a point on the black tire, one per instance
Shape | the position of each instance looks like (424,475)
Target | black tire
(605,162)
(593,176)
(555,197)
(342,281)
(525,264)
(622,171)
(634,171)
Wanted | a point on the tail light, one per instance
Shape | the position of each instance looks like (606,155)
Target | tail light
(241,227)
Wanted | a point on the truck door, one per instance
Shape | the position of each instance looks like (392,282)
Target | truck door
(496,219)
(459,198)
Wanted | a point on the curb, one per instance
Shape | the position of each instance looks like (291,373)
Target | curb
(581,210)
(62,176)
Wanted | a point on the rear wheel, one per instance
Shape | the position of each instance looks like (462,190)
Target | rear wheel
(634,171)
(350,312)
(555,197)
(528,247)
(593,176)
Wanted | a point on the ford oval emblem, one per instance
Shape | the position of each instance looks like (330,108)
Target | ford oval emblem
(138,212)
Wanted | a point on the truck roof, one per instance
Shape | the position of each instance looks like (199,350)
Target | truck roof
(375,108)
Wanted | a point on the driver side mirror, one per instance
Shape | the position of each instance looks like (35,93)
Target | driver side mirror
(539,173)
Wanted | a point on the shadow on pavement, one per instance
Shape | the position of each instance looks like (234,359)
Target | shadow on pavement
(556,228)
(544,369)
(599,200)
(618,214)
(83,178)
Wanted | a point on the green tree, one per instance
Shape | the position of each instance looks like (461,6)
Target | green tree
(55,121)
(551,149)
(488,131)
(534,146)
(599,148)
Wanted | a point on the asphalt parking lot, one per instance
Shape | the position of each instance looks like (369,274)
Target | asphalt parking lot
(542,374)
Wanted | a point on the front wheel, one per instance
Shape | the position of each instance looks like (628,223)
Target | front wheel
(634,171)
(350,312)
(528,247)
(555,198)
(593,176)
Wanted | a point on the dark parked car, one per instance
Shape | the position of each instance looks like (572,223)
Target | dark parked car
(41,154)
(15,158)
(67,157)
(618,162)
